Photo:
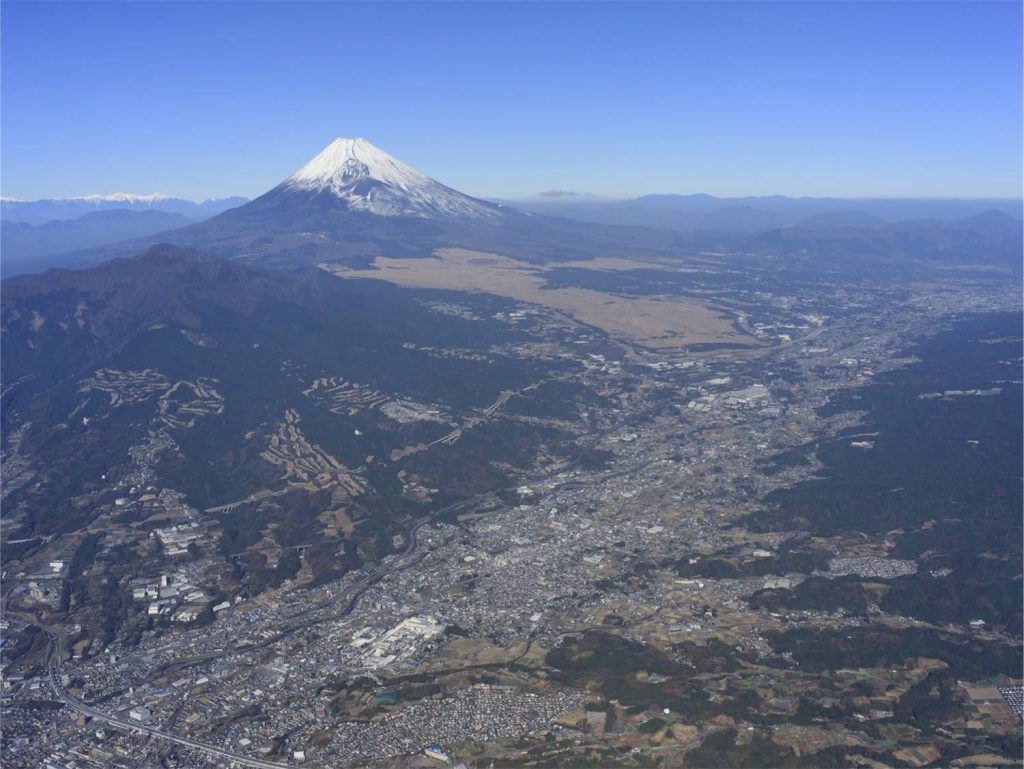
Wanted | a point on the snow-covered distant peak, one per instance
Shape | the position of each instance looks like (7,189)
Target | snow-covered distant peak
(368,179)
(114,197)
(48,209)
(124,197)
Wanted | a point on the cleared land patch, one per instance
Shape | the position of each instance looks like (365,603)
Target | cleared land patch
(125,387)
(185,401)
(178,405)
(343,397)
(305,464)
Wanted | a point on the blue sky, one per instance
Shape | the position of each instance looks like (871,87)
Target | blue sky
(214,99)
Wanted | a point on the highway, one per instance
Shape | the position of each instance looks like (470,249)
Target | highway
(53,658)
(55,651)
(351,595)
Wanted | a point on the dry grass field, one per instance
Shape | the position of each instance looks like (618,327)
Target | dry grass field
(650,321)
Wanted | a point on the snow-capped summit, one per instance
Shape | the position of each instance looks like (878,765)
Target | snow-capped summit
(354,202)
(368,179)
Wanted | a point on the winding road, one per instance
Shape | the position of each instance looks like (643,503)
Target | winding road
(351,595)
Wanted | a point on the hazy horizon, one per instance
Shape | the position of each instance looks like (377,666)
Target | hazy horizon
(554,200)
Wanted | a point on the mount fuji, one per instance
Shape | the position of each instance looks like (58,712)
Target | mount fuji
(353,202)
(365,178)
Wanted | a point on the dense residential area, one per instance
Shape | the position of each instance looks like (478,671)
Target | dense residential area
(508,385)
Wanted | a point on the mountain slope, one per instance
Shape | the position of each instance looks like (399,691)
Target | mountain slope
(900,242)
(366,178)
(247,379)
(62,320)
(353,202)
(20,241)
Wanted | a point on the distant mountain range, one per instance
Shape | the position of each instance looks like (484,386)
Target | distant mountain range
(990,238)
(32,232)
(37,212)
(23,243)
(692,213)
(353,202)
